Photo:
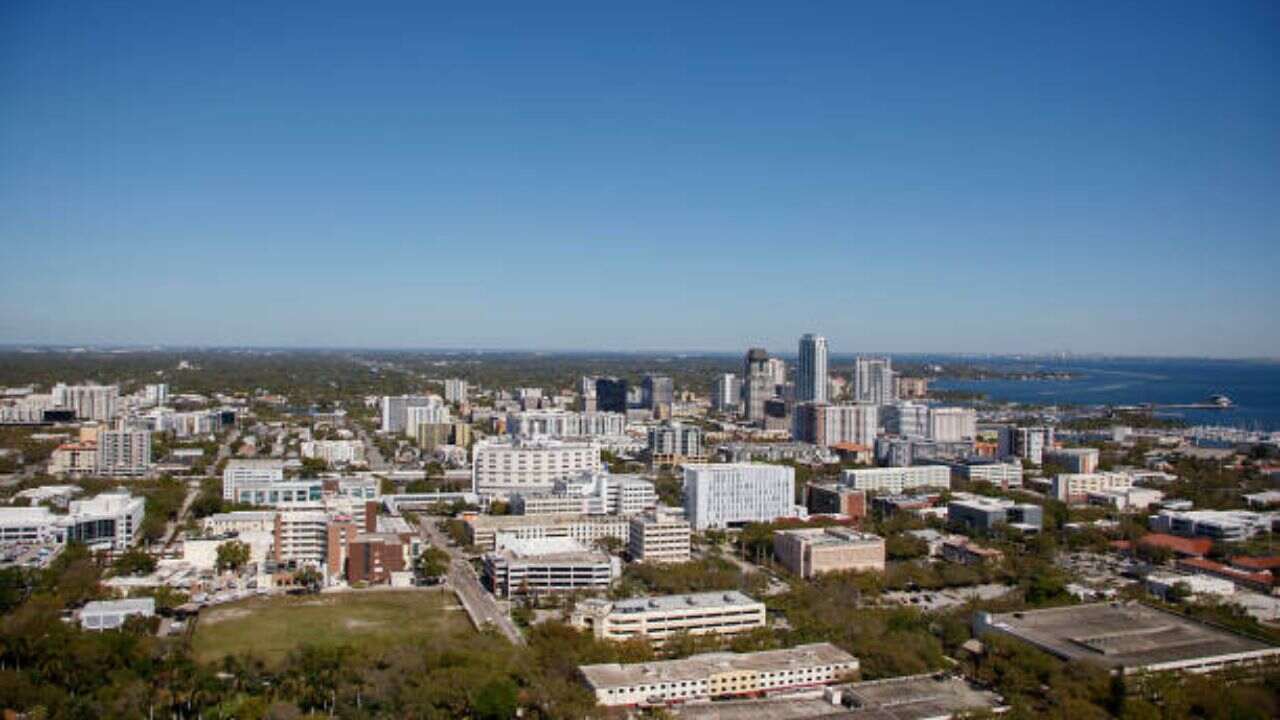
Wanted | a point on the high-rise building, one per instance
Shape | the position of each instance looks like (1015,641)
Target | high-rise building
(124,453)
(726,393)
(1030,442)
(611,395)
(829,425)
(455,390)
(717,495)
(811,372)
(519,464)
(89,402)
(675,443)
(873,380)
(908,419)
(657,391)
(952,424)
(587,394)
(395,410)
(156,395)
(758,384)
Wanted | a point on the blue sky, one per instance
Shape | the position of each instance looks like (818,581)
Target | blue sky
(949,176)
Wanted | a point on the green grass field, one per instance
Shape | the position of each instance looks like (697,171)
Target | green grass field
(269,628)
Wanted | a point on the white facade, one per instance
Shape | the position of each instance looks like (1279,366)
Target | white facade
(589,493)
(811,371)
(717,495)
(907,419)
(566,424)
(659,538)
(873,381)
(435,413)
(90,402)
(726,392)
(500,467)
(1002,475)
(1075,487)
(156,395)
(246,472)
(953,424)
(675,442)
(548,565)
(858,423)
(110,521)
(349,452)
(455,390)
(395,410)
(490,532)
(1031,442)
(897,479)
(124,453)
(724,612)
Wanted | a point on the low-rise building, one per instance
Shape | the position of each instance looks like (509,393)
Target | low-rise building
(897,480)
(1225,525)
(807,552)
(547,565)
(589,493)
(483,531)
(112,614)
(1082,461)
(1004,475)
(659,538)
(834,499)
(983,514)
(718,674)
(657,618)
(962,550)
(78,459)
(1075,487)
(1126,499)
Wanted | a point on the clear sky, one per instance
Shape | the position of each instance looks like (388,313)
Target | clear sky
(931,176)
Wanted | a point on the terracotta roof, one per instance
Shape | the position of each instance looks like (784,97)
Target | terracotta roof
(1256,563)
(851,447)
(1196,546)
(1256,578)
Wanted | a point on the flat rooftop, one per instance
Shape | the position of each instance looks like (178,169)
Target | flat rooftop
(698,667)
(725,598)
(1123,635)
(914,697)
(833,536)
(501,522)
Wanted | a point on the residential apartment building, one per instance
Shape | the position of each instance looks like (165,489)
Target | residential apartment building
(1000,474)
(906,419)
(811,370)
(897,480)
(566,424)
(659,538)
(726,393)
(395,411)
(1075,460)
(758,384)
(335,452)
(658,618)
(953,424)
(873,381)
(500,467)
(455,390)
(1030,443)
(88,402)
(675,443)
(1075,487)
(719,495)
(718,674)
(807,552)
(124,453)
(548,565)
(830,425)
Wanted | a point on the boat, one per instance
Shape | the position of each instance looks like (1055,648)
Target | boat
(1221,401)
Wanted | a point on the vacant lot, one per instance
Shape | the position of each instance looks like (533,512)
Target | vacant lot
(270,627)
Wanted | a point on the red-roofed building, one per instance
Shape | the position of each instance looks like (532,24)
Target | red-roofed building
(1187,547)
(1256,564)
(853,452)
(1260,581)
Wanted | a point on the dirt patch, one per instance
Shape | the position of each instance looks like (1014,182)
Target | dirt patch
(217,616)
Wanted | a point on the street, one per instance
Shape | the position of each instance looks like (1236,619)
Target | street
(479,604)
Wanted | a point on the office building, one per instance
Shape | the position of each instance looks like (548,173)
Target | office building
(489,532)
(1129,638)
(589,493)
(1075,460)
(455,390)
(548,565)
(611,395)
(811,371)
(675,443)
(29,526)
(723,612)
(718,674)
(758,384)
(906,419)
(251,471)
(726,393)
(503,466)
(659,538)
(240,521)
(807,552)
(657,391)
(873,381)
(833,499)
(831,425)
(110,521)
(587,394)
(897,480)
(953,424)
(719,495)
(1074,488)
(1004,475)
(984,514)
(1125,499)
(1221,525)
(88,402)
(1029,443)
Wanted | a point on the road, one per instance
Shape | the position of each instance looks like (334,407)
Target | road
(372,454)
(479,604)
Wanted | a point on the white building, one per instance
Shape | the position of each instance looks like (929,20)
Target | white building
(1162,583)
(589,493)
(897,480)
(717,495)
(29,526)
(659,538)
(335,452)
(953,424)
(110,521)
(566,424)
(908,419)
(811,371)
(252,471)
(240,521)
(1225,525)
(112,614)
(718,674)
(90,402)
(490,532)
(395,408)
(1075,460)
(548,565)
(1030,443)
(156,395)
(726,393)
(504,466)
(873,381)
(433,413)
(1001,474)
(1075,487)
(675,442)
(124,453)
(724,612)
(455,390)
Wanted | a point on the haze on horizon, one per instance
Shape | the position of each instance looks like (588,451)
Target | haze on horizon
(1008,177)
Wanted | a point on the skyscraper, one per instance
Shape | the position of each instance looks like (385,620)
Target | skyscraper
(726,392)
(811,373)
(757,384)
(657,390)
(873,380)
(611,394)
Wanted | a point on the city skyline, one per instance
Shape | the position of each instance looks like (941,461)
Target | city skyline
(1023,178)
